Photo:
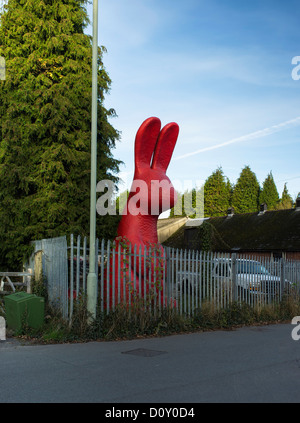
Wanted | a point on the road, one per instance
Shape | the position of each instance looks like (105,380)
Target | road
(248,365)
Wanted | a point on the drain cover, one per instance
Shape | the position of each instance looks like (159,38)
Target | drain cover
(144,352)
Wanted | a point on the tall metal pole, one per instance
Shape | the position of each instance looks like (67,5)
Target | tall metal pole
(92,278)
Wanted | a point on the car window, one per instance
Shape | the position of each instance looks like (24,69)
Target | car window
(248,267)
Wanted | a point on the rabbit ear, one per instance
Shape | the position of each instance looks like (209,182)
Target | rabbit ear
(165,146)
(145,141)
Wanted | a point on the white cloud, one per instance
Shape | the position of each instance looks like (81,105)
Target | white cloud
(253,135)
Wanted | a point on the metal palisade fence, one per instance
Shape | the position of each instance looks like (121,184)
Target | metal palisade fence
(183,279)
(53,255)
(157,277)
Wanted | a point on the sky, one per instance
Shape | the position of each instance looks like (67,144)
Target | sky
(224,70)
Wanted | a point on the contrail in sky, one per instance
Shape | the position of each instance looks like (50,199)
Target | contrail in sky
(253,135)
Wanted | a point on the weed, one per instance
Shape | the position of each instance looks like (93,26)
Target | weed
(39,287)
(139,321)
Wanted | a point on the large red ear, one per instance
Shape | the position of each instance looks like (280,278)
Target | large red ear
(145,141)
(165,146)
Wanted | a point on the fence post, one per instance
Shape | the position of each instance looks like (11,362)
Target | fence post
(167,287)
(71,285)
(233,273)
(38,266)
(282,277)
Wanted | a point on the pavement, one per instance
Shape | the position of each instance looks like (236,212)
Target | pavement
(259,364)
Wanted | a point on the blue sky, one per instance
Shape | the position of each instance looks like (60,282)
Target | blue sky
(221,69)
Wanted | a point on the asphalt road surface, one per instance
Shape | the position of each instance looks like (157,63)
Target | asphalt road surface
(248,365)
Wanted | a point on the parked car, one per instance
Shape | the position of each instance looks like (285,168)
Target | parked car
(251,277)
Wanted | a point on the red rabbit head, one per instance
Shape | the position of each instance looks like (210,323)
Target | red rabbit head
(152,191)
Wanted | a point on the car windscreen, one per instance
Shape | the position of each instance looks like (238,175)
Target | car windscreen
(249,267)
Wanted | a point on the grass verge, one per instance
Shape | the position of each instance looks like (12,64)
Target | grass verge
(139,321)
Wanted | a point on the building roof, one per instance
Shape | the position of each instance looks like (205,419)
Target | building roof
(266,231)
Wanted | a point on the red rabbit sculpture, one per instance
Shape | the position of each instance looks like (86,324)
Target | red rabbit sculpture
(151,193)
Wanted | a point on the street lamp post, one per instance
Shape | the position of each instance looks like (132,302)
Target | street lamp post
(92,278)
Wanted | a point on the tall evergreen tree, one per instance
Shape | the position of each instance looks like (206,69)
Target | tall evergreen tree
(269,194)
(189,204)
(217,191)
(286,201)
(185,201)
(245,196)
(45,109)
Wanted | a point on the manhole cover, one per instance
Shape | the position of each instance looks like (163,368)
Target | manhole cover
(144,352)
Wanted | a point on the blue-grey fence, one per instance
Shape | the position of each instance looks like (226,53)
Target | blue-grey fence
(184,279)
(55,270)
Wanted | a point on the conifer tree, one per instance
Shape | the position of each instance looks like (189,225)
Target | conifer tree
(286,201)
(245,196)
(45,109)
(217,191)
(179,209)
(269,194)
(189,204)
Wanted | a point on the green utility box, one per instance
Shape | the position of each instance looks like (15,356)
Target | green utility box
(23,307)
